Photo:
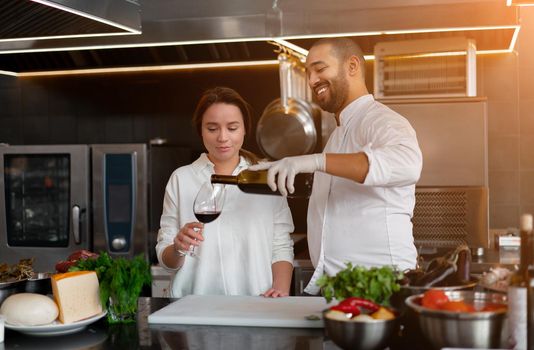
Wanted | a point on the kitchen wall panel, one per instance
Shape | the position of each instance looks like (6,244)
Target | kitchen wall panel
(526,115)
(503,152)
(527,188)
(503,118)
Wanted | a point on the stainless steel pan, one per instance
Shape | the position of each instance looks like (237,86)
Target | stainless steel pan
(286,127)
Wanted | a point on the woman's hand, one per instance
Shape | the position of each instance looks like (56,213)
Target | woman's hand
(275,293)
(188,236)
(282,271)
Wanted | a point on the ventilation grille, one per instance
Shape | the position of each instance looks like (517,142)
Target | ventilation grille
(448,216)
(425,68)
(423,75)
(440,218)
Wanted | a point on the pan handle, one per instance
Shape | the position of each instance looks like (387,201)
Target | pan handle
(285,80)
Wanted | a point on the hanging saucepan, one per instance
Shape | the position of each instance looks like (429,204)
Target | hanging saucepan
(286,127)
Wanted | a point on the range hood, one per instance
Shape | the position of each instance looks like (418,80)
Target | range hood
(177,32)
(24,20)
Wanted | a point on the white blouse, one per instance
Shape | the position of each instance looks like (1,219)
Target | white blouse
(239,247)
(367,224)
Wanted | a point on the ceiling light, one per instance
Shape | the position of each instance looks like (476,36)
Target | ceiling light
(519,3)
(31,20)
(146,69)
(126,46)
(88,15)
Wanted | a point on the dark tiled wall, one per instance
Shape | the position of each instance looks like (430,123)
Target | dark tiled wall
(127,108)
(121,108)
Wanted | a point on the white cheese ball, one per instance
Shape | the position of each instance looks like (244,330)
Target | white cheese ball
(29,309)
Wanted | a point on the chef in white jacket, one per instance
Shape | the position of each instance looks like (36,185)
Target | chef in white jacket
(363,194)
(247,250)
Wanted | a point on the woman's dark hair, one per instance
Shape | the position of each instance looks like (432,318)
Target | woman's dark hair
(228,96)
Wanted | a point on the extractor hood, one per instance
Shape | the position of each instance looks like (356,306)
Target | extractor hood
(177,32)
(30,20)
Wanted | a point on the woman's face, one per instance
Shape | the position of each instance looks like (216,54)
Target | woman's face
(223,132)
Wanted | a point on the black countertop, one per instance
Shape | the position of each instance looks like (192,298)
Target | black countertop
(141,335)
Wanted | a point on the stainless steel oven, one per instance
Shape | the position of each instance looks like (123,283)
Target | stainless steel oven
(55,199)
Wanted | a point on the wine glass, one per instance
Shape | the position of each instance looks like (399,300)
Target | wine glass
(207,206)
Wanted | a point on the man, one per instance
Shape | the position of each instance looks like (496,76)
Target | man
(364,186)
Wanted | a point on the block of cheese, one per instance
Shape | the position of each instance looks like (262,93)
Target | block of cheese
(77,295)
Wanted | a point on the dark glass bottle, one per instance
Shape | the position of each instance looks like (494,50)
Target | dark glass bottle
(256,182)
(517,290)
(530,289)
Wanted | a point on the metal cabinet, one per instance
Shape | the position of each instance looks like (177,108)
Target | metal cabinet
(302,274)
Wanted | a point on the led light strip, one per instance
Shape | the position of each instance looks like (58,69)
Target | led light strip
(511,3)
(87,15)
(5,72)
(129,31)
(127,46)
(230,64)
(393,32)
(278,39)
(66,36)
(146,69)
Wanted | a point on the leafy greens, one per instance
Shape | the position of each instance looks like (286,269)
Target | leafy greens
(376,284)
(121,282)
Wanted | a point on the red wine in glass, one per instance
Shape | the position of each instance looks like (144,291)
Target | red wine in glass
(207,206)
(207,216)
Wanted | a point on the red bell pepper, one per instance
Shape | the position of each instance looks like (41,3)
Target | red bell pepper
(360,302)
(348,309)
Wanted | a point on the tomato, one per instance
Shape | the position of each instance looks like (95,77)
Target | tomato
(457,306)
(493,307)
(433,298)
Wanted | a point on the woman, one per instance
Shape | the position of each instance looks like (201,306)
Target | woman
(247,250)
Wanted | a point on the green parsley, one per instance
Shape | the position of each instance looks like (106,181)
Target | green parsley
(120,280)
(376,284)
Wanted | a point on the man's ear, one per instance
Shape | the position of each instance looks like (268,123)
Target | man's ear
(354,65)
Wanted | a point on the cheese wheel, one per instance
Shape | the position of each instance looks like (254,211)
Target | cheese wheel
(29,309)
(77,295)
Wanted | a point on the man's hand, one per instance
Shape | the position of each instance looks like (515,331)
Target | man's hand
(284,170)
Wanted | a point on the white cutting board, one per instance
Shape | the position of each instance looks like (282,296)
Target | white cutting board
(253,311)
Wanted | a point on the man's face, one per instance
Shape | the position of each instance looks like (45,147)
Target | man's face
(327,78)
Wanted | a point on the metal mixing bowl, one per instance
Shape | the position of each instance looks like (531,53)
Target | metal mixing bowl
(462,329)
(361,335)
(398,299)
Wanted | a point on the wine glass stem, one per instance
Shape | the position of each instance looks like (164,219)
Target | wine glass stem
(192,248)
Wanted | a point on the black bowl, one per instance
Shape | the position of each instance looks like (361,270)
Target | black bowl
(39,283)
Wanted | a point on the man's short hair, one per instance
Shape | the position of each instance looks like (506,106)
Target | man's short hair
(343,49)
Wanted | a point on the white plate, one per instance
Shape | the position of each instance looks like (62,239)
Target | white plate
(56,328)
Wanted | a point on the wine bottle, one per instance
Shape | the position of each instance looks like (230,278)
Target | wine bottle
(530,291)
(256,182)
(517,291)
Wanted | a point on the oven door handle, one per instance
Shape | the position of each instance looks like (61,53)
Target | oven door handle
(76,224)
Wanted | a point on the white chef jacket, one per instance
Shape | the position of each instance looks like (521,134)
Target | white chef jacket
(239,247)
(367,224)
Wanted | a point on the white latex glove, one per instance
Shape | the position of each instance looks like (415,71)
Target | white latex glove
(284,170)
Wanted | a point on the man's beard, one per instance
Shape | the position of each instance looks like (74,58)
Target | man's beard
(338,90)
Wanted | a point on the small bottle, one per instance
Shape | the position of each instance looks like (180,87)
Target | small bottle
(256,182)
(517,290)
